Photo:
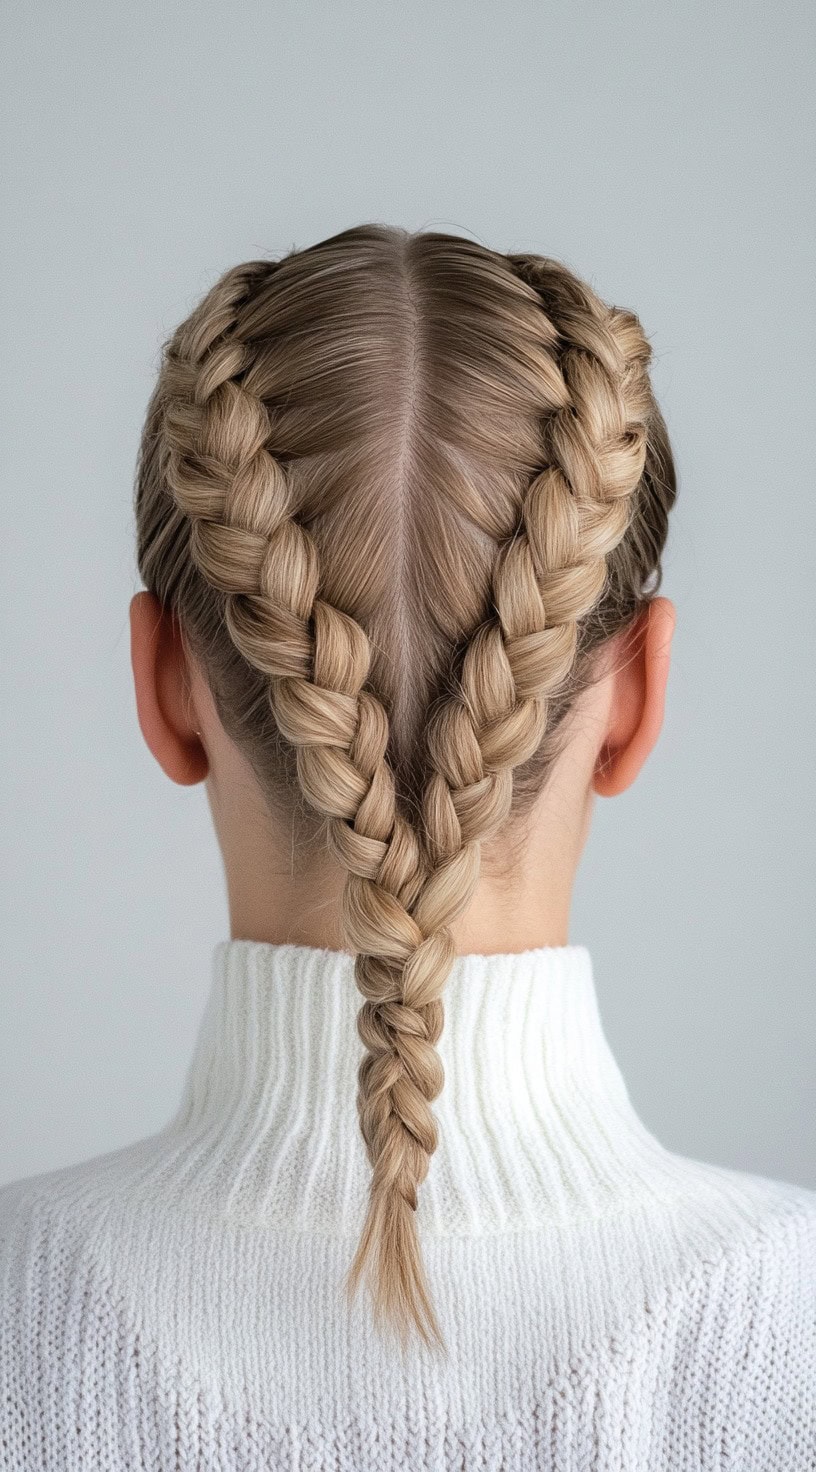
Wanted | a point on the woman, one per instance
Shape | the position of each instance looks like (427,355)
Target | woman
(401,505)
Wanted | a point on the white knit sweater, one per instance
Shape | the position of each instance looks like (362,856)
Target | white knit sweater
(606,1304)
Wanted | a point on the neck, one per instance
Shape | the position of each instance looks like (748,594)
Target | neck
(519,909)
(285,888)
(494,924)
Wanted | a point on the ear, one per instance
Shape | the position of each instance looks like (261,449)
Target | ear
(640,673)
(163,701)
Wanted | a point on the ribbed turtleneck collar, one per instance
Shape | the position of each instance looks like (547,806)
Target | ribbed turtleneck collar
(534,1118)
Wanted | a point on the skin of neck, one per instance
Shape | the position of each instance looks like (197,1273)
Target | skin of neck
(279,892)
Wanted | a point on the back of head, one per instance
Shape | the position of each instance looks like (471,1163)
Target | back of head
(398,489)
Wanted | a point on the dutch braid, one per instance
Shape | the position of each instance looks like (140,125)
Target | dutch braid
(551,571)
(247,544)
(547,576)
(602,477)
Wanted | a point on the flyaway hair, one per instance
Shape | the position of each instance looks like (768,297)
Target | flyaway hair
(398,489)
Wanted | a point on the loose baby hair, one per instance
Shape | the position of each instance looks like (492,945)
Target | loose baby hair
(398,489)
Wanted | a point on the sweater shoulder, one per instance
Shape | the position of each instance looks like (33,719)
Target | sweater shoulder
(744,1220)
(773,1223)
(64,1182)
(757,1323)
(49,1211)
(765,1200)
(56,1229)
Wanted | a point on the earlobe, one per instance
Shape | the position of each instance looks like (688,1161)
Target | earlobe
(639,700)
(162,697)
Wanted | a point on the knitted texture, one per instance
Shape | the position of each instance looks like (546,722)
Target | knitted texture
(606,1303)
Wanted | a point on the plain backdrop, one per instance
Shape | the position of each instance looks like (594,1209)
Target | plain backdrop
(664,151)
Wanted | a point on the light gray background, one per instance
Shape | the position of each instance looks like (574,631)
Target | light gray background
(666,152)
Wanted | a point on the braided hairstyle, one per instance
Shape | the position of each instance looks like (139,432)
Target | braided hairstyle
(398,489)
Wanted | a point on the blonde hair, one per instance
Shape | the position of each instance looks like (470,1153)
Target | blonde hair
(398,489)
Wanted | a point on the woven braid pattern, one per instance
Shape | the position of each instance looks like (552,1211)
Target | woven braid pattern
(247,544)
(552,571)
(404,889)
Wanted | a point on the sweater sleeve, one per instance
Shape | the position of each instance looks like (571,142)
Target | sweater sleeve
(742,1371)
(44,1304)
(20,1434)
(780,1348)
